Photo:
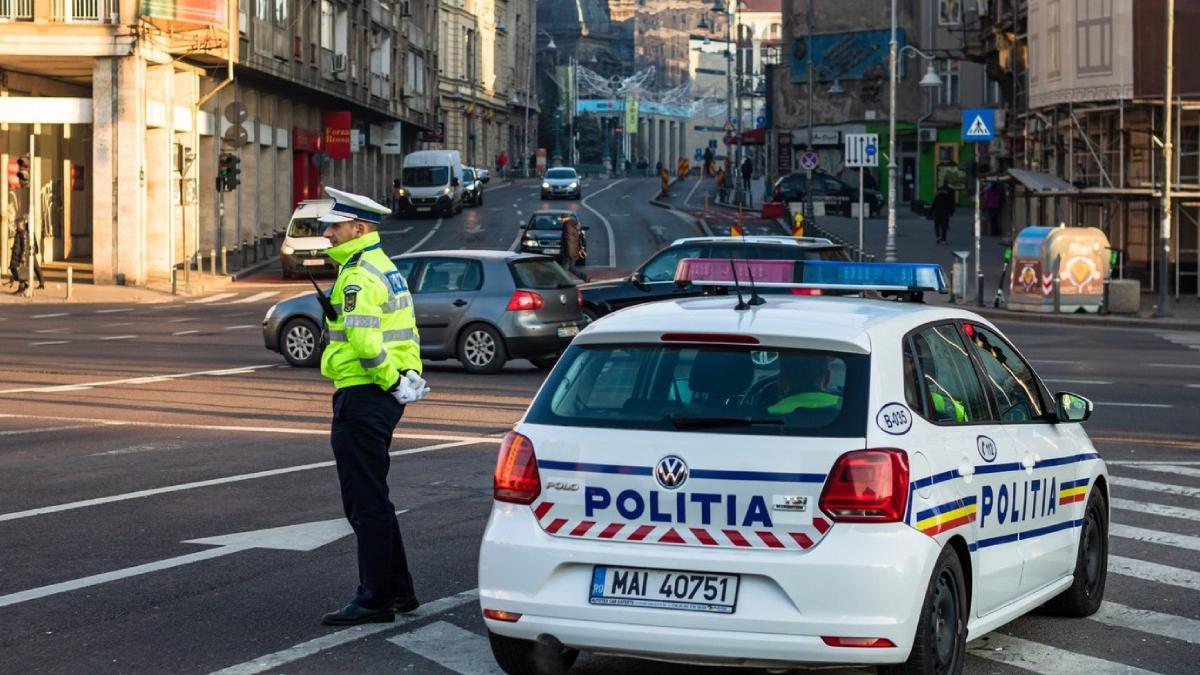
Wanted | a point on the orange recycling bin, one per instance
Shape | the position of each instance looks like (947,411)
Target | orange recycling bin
(1077,256)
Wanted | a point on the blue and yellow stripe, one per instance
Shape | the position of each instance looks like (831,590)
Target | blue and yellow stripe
(947,516)
(1072,491)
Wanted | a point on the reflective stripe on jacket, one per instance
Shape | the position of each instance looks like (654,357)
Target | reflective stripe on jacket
(374,338)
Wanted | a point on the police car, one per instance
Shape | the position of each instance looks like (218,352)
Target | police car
(805,480)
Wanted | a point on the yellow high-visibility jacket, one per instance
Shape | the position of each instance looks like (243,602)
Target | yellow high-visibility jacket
(374,338)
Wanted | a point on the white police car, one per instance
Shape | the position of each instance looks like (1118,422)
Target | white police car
(816,480)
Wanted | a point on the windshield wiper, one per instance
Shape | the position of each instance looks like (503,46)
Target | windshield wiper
(690,422)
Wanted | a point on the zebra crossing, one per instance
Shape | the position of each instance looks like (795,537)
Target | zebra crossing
(244,298)
(1154,537)
(1191,340)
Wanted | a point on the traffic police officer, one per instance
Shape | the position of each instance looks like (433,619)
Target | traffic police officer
(374,361)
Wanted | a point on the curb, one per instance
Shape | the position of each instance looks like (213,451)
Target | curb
(698,223)
(1087,320)
(253,269)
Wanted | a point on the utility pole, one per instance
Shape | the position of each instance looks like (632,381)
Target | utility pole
(1164,296)
(808,192)
(889,251)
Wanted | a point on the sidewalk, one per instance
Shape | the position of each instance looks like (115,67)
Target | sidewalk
(688,196)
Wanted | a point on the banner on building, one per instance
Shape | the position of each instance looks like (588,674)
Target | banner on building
(631,115)
(392,139)
(438,135)
(203,12)
(853,55)
(337,134)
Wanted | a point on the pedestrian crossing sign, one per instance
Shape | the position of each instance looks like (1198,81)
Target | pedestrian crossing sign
(978,124)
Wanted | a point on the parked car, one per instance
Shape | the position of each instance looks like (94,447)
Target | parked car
(654,279)
(472,186)
(562,181)
(480,307)
(543,234)
(304,243)
(836,194)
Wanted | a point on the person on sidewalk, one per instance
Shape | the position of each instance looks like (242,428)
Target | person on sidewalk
(374,360)
(747,174)
(502,164)
(721,184)
(993,202)
(708,162)
(18,259)
(942,209)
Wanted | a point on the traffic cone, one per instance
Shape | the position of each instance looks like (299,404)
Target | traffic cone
(798,225)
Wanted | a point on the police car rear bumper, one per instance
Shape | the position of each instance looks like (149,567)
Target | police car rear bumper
(859,581)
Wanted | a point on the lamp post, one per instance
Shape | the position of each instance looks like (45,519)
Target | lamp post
(528,87)
(1164,297)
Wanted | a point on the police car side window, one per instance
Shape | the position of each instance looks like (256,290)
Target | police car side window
(1006,375)
(950,387)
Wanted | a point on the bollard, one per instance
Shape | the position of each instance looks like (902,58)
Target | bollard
(255,248)
(212,257)
(979,287)
(1057,295)
(224,261)
(245,253)
(70,280)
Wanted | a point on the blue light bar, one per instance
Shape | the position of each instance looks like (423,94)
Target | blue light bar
(873,276)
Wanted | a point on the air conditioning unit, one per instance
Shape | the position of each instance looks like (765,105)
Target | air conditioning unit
(929,135)
(339,63)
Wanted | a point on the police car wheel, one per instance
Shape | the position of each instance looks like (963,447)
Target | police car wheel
(300,343)
(525,657)
(481,349)
(1084,596)
(941,640)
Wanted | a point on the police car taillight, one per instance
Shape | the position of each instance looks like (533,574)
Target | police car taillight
(856,642)
(516,478)
(867,486)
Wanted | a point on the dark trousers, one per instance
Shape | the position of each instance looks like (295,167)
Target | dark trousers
(364,418)
(940,226)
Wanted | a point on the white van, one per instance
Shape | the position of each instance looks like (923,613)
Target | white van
(430,183)
(304,243)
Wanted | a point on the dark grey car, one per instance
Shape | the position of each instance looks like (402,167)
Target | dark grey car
(480,307)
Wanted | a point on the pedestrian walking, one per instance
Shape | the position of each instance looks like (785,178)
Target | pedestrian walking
(942,209)
(721,183)
(570,246)
(708,162)
(993,203)
(747,174)
(374,360)
(502,164)
(18,258)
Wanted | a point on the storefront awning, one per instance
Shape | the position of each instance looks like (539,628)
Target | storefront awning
(1042,183)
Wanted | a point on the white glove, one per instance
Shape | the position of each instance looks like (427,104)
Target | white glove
(411,387)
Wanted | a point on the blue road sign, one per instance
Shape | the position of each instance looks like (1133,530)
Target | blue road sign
(978,124)
(760,122)
(699,153)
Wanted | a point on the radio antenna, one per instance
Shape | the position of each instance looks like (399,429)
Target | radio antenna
(737,284)
(755,298)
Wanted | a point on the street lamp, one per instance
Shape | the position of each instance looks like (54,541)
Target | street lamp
(528,87)
(930,80)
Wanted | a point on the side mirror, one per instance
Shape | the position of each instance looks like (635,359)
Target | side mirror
(486,179)
(1072,407)
(638,280)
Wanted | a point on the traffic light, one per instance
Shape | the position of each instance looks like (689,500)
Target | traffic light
(228,173)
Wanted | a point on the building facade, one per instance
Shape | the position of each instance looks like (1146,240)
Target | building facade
(124,109)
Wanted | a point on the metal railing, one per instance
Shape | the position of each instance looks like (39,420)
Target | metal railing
(89,11)
(16,10)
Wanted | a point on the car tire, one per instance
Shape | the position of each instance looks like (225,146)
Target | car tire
(525,657)
(544,362)
(545,196)
(287,273)
(590,314)
(300,343)
(940,644)
(479,200)
(481,349)
(1083,597)
(458,209)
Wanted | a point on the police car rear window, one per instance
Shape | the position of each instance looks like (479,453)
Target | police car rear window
(708,389)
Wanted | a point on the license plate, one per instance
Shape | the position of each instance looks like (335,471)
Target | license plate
(568,331)
(423,208)
(313,262)
(664,589)
(550,249)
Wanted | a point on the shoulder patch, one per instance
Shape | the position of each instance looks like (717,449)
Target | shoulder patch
(350,297)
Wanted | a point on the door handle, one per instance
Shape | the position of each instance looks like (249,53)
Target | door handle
(460,303)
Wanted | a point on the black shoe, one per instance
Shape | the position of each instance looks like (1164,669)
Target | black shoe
(405,605)
(41,286)
(352,615)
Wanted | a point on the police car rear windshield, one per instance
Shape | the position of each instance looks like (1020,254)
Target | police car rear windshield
(306,227)
(711,389)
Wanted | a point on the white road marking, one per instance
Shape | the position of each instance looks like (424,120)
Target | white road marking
(212,298)
(612,245)
(302,650)
(1194,386)
(516,242)
(241,327)
(1173,365)
(1154,486)
(1061,361)
(1154,623)
(691,192)
(19,432)
(46,342)
(106,383)
(119,323)
(50,316)
(1155,537)
(1173,469)
(1139,462)
(1159,574)
(405,230)
(53,330)
(255,298)
(85,503)
(119,337)
(185,332)
(424,239)
(1135,405)
(114,311)
(1156,509)
(1062,381)
(1044,659)
(453,648)
(187,318)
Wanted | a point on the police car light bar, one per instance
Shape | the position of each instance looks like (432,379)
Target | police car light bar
(822,274)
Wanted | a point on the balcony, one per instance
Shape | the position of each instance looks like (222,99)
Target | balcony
(16,10)
(60,11)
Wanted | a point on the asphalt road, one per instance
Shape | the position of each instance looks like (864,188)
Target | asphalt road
(134,439)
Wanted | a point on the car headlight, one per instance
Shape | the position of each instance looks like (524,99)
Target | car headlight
(574,185)
(401,193)
(545,186)
(532,243)
(270,312)
(446,190)
(286,250)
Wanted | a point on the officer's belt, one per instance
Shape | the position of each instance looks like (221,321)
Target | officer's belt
(388,335)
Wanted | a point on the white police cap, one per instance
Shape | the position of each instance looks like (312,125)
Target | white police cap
(347,206)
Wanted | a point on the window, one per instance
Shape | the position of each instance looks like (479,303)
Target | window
(1094,36)
(1054,40)
(540,275)
(262,10)
(281,13)
(709,388)
(406,267)
(1007,376)
(949,387)
(949,12)
(948,93)
(381,54)
(663,267)
(326,25)
(445,276)
(414,84)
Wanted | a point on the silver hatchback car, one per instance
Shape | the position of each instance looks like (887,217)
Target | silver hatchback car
(480,307)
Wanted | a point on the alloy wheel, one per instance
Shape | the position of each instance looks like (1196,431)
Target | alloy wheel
(301,342)
(479,348)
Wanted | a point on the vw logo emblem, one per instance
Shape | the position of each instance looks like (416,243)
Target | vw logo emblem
(563,298)
(671,472)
